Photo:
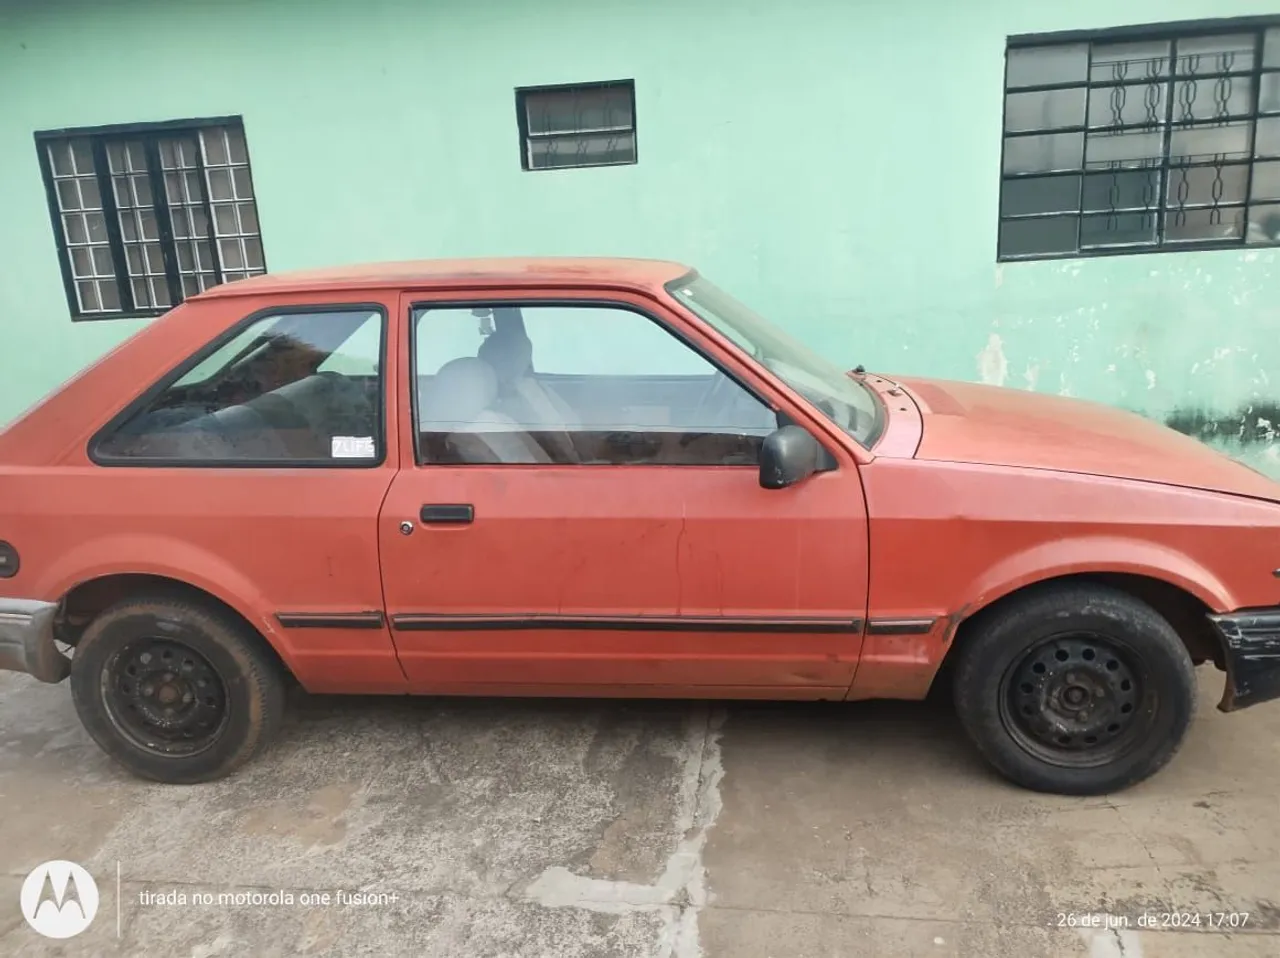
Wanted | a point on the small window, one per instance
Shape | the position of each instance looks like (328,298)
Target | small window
(146,216)
(591,124)
(1135,141)
(290,388)
(575,385)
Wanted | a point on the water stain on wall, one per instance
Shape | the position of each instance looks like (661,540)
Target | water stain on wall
(1252,423)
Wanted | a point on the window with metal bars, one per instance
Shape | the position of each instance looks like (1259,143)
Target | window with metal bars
(583,124)
(1141,140)
(148,215)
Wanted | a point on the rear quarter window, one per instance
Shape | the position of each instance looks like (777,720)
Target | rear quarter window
(290,387)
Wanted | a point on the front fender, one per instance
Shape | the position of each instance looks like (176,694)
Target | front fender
(1097,554)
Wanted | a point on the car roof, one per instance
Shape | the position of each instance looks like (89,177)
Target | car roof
(648,274)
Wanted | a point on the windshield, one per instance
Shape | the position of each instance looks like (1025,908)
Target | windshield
(850,404)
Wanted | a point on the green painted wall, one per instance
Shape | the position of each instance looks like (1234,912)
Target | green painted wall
(834,163)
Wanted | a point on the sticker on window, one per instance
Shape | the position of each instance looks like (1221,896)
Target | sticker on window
(353,447)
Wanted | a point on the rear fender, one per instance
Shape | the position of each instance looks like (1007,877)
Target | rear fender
(168,557)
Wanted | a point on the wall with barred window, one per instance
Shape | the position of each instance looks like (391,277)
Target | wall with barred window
(850,170)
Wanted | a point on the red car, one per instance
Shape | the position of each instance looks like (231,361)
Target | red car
(607,477)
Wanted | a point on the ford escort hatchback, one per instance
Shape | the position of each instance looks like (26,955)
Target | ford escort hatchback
(608,478)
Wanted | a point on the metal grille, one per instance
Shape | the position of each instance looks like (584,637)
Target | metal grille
(579,125)
(146,216)
(1167,139)
(139,225)
(186,191)
(82,226)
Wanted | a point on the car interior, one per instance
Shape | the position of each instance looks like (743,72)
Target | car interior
(495,407)
(271,395)
(271,399)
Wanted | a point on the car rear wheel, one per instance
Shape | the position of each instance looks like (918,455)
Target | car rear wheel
(1075,689)
(174,691)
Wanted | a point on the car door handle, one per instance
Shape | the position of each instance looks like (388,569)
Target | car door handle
(459,513)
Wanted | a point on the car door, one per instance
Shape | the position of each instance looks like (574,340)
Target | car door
(578,510)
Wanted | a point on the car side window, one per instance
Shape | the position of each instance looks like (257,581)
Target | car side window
(568,384)
(294,387)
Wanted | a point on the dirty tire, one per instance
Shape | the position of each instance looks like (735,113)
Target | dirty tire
(1053,630)
(248,681)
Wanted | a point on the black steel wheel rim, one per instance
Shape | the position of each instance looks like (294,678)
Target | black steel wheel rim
(165,697)
(1078,699)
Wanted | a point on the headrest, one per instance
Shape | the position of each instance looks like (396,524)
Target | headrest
(509,352)
(460,391)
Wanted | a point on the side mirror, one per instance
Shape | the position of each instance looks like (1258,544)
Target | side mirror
(789,455)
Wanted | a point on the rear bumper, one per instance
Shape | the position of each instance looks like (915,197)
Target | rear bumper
(1251,642)
(26,640)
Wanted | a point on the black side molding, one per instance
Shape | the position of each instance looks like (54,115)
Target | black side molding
(636,623)
(330,620)
(900,626)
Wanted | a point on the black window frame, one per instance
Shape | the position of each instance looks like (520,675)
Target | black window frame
(523,94)
(1168,125)
(481,303)
(161,385)
(149,134)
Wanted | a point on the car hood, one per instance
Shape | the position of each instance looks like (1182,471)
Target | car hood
(992,425)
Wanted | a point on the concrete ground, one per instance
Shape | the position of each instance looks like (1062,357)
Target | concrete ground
(566,828)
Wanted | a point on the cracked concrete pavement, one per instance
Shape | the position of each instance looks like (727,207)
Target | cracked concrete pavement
(658,829)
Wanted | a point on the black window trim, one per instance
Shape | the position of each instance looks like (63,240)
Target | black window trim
(557,301)
(522,122)
(195,359)
(149,132)
(1144,31)
(1173,30)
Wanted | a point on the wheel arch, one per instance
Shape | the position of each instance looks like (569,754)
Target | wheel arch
(1186,612)
(99,570)
(86,600)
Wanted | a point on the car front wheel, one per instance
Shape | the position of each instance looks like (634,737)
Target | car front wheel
(1075,689)
(175,691)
